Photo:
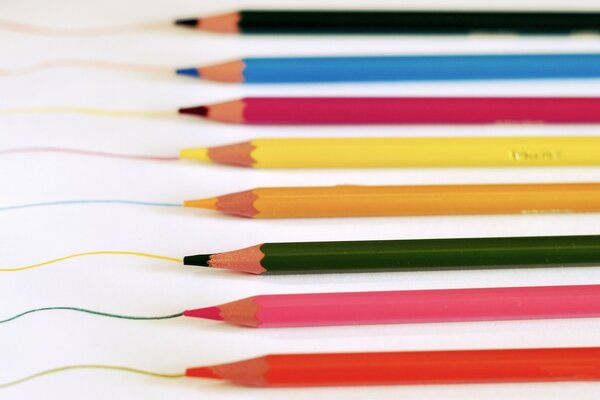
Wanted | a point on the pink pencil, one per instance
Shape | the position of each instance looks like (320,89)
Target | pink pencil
(402,110)
(414,306)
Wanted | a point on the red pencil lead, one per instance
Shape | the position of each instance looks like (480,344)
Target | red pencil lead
(201,372)
(213,313)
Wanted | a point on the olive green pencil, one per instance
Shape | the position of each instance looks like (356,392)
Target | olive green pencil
(407,255)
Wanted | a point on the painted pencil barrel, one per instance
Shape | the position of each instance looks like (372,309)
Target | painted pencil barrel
(416,68)
(414,22)
(416,306)
(426,255)
(357,201)
(411,368)
(416,152)
(410,110)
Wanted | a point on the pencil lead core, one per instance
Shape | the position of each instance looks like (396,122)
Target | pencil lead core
(201,372)
(187,22)
(210,203)
(206,313)
(193,72)
(199,260)
(201,111)
(198,154)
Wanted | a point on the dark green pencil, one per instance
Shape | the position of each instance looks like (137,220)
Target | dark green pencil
(396,22)
(407,255)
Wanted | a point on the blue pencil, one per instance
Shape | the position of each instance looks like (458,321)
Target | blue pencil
(401,68)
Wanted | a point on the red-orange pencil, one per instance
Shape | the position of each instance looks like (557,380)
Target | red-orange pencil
(390,368)
(410,368)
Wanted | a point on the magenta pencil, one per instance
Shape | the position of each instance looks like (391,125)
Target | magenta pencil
(414,306)
(402,110)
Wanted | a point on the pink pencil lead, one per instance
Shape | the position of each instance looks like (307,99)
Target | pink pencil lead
(207,313)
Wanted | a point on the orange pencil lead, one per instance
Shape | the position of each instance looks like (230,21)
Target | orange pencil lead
(210,203)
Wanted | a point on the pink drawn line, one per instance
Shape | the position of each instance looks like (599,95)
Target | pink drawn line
(86,153)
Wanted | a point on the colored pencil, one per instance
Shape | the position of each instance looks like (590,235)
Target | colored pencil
(410,368)
(404,152)
(400,68)
(407,306)
(401,110)
(371,201)
(395,22)
(406,255)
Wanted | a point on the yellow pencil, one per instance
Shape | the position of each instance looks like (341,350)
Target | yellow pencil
(404,152)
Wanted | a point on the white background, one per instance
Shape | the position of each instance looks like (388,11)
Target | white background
(142,287)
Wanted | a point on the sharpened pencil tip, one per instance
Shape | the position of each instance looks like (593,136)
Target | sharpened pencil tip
(193,72)
(210,203)
(187,22)
(200,260)
(206,313)
(201,111)
(201,372)
(198,154)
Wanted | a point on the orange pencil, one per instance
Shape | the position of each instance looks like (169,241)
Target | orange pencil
(388,368)
(410,368)
(371,201)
